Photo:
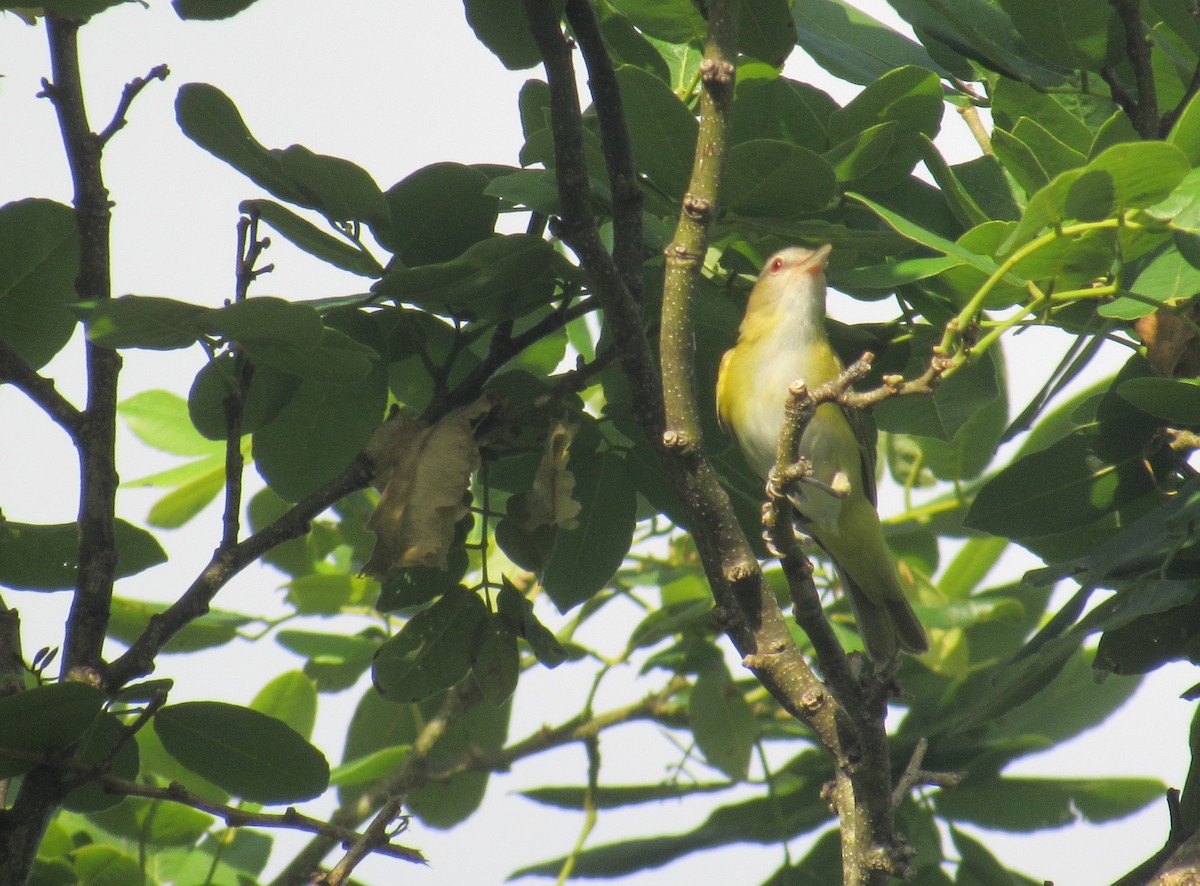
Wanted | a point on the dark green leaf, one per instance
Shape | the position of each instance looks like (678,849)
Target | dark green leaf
(583,560)
(45,719)
(496,663)
(338,189)
(1176,400)
(978,867)
(1019,161)
(269,391)
(722,722)
(335,661)
(515,607)
(101,865)
(1070,34)
(75,8)
(143,321)
(620,796)
(251,755)
(672,21)
(307,236)
(852,45)
(154,821)
(910,97)
(765,30)
(774,178)
(209,118)
(1066,486)
(39,557)
(481,730)
(500,277)
(438,212)
(318,433)
(502,27)
(377,723)
(433,650)
(776,109)
(39,261)
(98,744)
(661,128)
(1030,804)
(208,10)
(1012,100)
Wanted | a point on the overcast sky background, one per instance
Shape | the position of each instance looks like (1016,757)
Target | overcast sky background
(395,86)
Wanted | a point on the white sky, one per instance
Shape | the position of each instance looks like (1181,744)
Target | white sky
(369,81)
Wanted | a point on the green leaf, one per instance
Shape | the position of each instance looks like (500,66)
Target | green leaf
(496,663)
(765,30)
(722,722)
(619,796)
(433,650)
(1019,161)
(291,698)
(1012,100)
(661,128)
(103,736)
(336,188)
(216,627)
(1176,400)
(980,31)
(249,754)
(209,118)
(978,867)
(497,278)
(335,661)
(156,822)
(438,212)
(773,178)
(41,557)
(378,723)
(101,865)
(910,97)
(39,261)
(317,243)
(187,500)
(776,109)
(516,607)
(672,21)
(327,593)
(852,45)
(143,321)
(1068,485)
(318,433)
(1069,34)
(45,719)
(502,27)
(1031,804)
(269,391)
(1054,156)
(481,730)
(583,560)
(160,420)
(209,10)
(373,767)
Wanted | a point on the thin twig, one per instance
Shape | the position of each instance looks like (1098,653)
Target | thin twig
(41,390)
(1142,111)
(128,94)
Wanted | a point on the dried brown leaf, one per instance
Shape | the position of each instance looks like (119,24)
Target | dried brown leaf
(550,501)
(424,476)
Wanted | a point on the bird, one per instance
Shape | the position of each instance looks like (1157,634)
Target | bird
(782,339)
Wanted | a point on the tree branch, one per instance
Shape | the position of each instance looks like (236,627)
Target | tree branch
(614,140)
(41,390)
(1142,110)
(227,562)
(128,94)
(88,619)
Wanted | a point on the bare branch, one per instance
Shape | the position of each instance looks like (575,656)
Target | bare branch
(128,94)
(1142,110)
(227,562)
(41,390)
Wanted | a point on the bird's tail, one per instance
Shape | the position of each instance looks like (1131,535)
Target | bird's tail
(887,624)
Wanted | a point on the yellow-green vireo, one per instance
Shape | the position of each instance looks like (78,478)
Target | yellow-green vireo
(782,339)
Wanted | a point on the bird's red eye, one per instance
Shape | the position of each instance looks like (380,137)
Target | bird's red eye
(776,265)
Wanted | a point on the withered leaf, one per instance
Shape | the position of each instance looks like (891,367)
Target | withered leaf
(424,475)
(550,501)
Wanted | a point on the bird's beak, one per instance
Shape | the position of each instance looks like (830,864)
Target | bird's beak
(816,263)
